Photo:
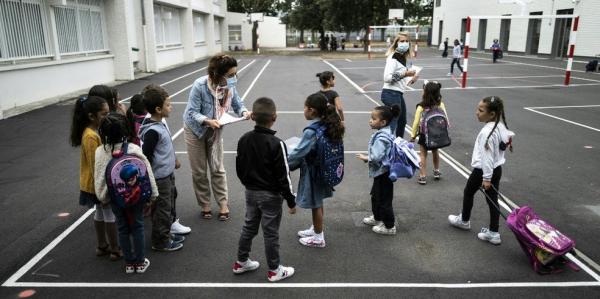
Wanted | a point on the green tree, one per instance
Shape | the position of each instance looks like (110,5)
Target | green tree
(269,7)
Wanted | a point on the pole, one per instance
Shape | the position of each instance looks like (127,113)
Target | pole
(369,46)
(572,39)
(466,61)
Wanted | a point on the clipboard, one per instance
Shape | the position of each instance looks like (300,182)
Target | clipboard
(227,118)
(417,70)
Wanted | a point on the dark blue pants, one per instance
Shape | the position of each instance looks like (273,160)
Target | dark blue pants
(393,97)
(130,223)
(382,194)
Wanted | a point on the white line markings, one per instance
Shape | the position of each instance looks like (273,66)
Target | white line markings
(255,79)
(562,107)
(529,64)
(563,119)
(351,82)
(348,60)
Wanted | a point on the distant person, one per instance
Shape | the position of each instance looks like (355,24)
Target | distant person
(495,50)
(88,113)
(327,80)
(432,99)
(445,53)
(487,160)
(311,190)
(456,55)
(396,68)
(113,133)
(382,191)
(111,95)
(343,43)
(211,97)
(262,167)
(158,148)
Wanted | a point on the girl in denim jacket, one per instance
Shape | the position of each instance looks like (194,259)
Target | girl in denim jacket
(311,191)
(382,192)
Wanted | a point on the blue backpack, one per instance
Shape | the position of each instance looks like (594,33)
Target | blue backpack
(402,159)
(329,157)
(127,179)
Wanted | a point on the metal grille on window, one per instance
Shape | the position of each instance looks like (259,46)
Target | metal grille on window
(199,35)
(167,26)
(22,29)
(217,30)
(79,26)
(235,34)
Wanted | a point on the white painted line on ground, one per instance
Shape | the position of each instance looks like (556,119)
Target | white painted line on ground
(305,285)
(348,60)
(188,74)
(255,79)
(177,134)
(563,119)
(494,78)
(535,65)
(530,57)
(351,82)
(12,280)
(561,107)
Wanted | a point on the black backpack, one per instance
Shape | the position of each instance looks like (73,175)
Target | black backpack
(591,66)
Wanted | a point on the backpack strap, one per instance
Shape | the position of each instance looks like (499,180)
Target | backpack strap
(125,147)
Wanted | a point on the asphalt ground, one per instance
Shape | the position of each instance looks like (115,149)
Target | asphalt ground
(552,170)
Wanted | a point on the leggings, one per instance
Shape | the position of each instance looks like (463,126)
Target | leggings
(457,61)
(473,185)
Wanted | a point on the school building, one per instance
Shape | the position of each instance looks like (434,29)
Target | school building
(543,37)
(51,48)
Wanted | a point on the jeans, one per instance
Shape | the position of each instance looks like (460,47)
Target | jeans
(130,223)
(382,194)
(457,61)
(393,97)
(162,212)
(473,185)
(263,208)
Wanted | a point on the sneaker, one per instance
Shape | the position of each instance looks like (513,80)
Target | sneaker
(422,180)
(280,273)
(307,232)
(179,229)
(177,238)
(130,268)
(171,246)
(449,74)
(456,220)
(437,174)
(382,230)
(490,236)
(370,220)
(141,268)
(313,241)
(248,265)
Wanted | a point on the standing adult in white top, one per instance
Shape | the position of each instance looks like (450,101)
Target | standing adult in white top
(456,55)
(393,85)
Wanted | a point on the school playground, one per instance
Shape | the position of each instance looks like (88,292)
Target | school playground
(48,240)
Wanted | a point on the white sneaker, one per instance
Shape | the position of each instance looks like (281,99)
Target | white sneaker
(179,229)
(313,241)
(370,220)
(449,74)
(307,232)
(248,265)
(382,230)
(279,274)
(456,220)
(490,236)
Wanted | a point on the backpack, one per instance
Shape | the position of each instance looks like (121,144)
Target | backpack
(402,159)
(127,179)
(434,127)
(591,66)
(329,157)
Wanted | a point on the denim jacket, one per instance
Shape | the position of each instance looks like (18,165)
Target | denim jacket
(201,106)
(379,150)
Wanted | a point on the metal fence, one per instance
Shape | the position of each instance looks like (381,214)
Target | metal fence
(23,29)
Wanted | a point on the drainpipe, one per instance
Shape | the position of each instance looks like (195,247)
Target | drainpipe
(144,36)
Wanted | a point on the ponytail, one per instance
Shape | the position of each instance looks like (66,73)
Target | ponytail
(496,105)
(388,113)
(328,114)
(84,105)
(324,77)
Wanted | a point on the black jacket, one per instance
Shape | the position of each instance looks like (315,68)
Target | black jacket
(261,163)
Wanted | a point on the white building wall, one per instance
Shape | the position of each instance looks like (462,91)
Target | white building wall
(453,11)
(271,33)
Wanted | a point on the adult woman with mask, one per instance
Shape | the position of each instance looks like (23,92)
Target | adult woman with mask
(211,96)
(393,85)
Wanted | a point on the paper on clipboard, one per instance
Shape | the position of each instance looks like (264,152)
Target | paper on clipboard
(417,70)
(227,118)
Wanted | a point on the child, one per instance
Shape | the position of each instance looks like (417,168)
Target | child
(135,116)
(487,160)
(382,191)
(327,81)
(87,115)
(114,132)
(158,148)
(262,167)
(495,50)
(111,95)
(456,55)
(311,191)
(431,99)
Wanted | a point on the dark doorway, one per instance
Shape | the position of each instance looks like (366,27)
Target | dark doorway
(504,34)
(481,37)
(562,29)
(533,34)
(440,32)
(463,29)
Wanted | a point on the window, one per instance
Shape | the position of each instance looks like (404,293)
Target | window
(235,34)
(217,30)
(167,26)
(199,28)
(438,3)
(79,26)
(23,29)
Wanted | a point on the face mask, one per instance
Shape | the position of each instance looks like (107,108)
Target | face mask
(231,82)
(402,47)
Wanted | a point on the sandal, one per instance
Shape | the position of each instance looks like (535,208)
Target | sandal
(224,216)
(206,214)
(116,255)
(102,251)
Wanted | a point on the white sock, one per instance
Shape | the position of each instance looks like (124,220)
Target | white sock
(319,236)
